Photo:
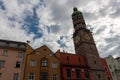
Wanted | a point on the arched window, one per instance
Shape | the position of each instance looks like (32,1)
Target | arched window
(44,62)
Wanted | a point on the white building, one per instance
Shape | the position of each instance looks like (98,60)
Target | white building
(114,67)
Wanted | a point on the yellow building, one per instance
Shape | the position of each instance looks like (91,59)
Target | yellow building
(41,64)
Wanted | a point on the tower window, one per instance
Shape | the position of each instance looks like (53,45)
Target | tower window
(94,62)
(0,75)
(99,76)
(44,62)
(90,48)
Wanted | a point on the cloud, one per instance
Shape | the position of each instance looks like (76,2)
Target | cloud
(49,22)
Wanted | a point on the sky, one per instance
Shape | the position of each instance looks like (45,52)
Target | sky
(48,22)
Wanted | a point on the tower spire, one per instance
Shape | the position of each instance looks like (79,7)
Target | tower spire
(78,20)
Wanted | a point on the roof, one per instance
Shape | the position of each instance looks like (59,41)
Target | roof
(12,44)
(72,59)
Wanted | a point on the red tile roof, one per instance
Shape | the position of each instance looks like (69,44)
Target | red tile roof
(72,59)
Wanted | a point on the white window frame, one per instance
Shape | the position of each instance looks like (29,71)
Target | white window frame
(32,63)
(54,77)
(54,65)
(20,54)
(5,53)
(2,63)
(44,62)
(31,76)
(16,76)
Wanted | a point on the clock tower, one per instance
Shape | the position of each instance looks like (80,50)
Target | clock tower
(85,45)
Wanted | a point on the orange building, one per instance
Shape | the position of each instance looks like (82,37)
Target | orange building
(42,64)
(12,55)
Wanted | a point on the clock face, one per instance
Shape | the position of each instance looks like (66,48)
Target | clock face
(87,37)
(77,39)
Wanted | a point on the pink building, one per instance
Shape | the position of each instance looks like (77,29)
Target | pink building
(11,59)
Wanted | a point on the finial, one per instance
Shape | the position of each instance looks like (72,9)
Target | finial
(75,9)
(28,41)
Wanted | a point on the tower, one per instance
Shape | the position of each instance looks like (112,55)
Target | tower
(85,45)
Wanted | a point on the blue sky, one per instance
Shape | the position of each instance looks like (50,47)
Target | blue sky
(49,22)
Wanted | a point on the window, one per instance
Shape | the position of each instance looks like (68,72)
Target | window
(108,78)
(99,76)
(68,73)
(44,62)
(0,75)
(110,66)
(20,54)
(2,63)
(105,69)
(54,77)
(94,62)
(31,76)
(15,77)
(114,66)
(86,73)
(54,65)
(78,73)
(43,76)
(18,64)
(113,73)
(32,63)
(5,52)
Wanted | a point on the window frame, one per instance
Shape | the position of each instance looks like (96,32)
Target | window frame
(16,76)
(86,72)
(0,75)
(20,54)
(54,77)
(68,73)
(32,63)
(2,63)
(18,64)
(78,74)
(54,65)
(44,62)
(31,76)
(44,76)
(5,53)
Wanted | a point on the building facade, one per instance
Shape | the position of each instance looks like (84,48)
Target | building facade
(108,74)
(114,67)
(118,59)
(74,67)
(85,45)
(42,64)
(12,56)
